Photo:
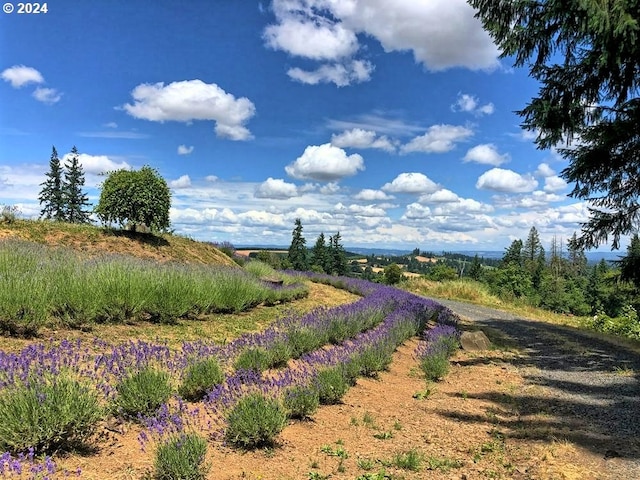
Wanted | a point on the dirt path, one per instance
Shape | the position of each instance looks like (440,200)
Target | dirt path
(586,389)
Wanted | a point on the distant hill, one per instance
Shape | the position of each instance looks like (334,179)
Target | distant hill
(96,240)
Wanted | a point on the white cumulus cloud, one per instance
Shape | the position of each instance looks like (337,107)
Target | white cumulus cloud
(486,154)
(276,188)
(441,34)
(315,38)
(371,195)
(507,181)
(97,164)
(342,74)
(21,75)
(360,138)
(471,104)
(416,211)
(438,139)
(554,184)
(411,183)
(325,163)
(47,95)
(544,170)
(191,100)
(184,150)
(441,196)
(183,182)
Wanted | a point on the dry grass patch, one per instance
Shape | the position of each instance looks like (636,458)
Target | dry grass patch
(91,239)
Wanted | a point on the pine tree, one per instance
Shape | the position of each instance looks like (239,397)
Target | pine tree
(513,254)
(297,250)
(586,56)
(475,272)
(52,191)
(630,264)
(74,198)
(320,254)
(338,258)
(577,259)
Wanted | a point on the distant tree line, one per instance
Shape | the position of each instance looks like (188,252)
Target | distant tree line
(562,280)
(325,257)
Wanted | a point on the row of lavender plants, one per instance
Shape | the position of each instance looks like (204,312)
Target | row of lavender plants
(434,350)
(41,284)
(311,359)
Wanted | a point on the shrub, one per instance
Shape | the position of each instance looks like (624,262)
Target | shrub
(142,393)
(332,385)
(9,213)
(257,359)
(48,414)
(200,377)
(449,343)
(303,340)
(350,370)
(339,330)
(443,337)
(374,359)
(181,457)
(255,421)
(435,364)
(279,354)
(301,402)
(260,269)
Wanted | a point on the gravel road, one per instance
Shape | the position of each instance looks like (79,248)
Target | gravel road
(589,387)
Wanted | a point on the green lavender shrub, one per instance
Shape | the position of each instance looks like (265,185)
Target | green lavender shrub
(255,421)
(200,377)
(142,393)
(48,414)
(182,457)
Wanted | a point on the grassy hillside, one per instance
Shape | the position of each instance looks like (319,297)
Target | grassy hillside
(90,239)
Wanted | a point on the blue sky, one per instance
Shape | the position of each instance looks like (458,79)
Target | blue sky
(391,121)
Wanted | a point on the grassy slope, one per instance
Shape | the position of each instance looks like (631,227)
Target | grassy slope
(89,239)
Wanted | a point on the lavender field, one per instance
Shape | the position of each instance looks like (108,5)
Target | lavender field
(242,391)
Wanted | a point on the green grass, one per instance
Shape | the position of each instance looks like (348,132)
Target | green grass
(43,286)
(471,291)
(411,460)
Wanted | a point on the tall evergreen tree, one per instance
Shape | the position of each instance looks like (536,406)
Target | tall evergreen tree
(513,254)
(320,254)
(534,257)
(337,255)
(556,260)
(576,258)
(475,272)
(297,250)
(630,264)
(52,195)
(586,56)
(74,198)
(532,247)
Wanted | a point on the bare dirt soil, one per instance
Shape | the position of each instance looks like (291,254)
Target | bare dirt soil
(493,416)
